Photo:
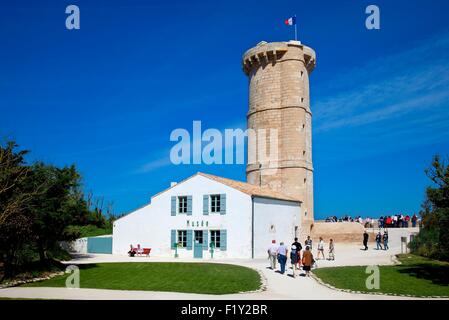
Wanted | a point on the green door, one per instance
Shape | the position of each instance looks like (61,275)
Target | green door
(198,244)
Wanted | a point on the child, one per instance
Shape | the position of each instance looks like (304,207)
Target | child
(294,256)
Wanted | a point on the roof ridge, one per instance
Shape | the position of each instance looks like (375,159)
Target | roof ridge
(249,188)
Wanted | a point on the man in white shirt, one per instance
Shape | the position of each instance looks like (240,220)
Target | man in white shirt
(282,256)
(272,254)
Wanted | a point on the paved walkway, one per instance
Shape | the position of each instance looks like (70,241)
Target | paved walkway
(277,286)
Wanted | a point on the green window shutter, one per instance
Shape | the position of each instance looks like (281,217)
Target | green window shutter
(223,203)
(173,206)
(206,204)
(205,238)
(173,239)
(223,240)
(189,205)
(189,239)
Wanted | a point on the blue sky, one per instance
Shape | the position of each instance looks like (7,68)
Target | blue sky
(106,97)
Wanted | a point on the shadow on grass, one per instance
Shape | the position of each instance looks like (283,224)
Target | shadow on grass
(438,274)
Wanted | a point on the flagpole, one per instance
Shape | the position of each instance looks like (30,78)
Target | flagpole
(296,32)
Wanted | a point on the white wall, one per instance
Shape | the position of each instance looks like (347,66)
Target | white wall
(151,225)
(283,215)
(76,246)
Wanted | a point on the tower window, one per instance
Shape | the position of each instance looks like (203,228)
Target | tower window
(303,152)
(305,179)
(302,74)
(302,99)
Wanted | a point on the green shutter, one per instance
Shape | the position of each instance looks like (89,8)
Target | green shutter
(173,206)
(205,238)
(223,203)
(189,239)
(206,204)
(173,239)
(223,240)
(189,205)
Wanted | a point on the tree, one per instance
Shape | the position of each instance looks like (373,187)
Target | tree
(59,206)
(38,204)
(13,173)
(433,239)
(14,203)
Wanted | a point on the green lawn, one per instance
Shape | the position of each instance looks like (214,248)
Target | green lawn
(210,278)
(416,276)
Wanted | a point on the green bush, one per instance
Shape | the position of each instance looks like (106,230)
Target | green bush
(90,231)
(426,244)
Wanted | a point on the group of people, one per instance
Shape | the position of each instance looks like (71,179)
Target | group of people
(380,239)
(393,221)
(298,256)
(367,222)
(397,221)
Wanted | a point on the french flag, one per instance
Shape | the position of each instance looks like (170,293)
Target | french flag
(290,21)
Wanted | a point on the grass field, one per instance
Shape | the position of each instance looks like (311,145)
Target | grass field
(415,276)
(209,278)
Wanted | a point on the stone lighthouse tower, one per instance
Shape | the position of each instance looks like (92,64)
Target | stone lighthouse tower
(279,99)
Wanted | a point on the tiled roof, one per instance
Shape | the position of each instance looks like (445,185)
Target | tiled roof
(250,189)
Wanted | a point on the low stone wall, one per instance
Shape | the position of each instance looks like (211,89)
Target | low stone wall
(349,232)
(77,246)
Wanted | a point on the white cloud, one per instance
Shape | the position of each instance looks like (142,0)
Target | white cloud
(394,86)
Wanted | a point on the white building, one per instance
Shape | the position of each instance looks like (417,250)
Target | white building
(240,219)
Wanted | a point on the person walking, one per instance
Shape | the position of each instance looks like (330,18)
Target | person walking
(298,247)
(307,260)
(331,250)
(308,242)
(320,249)
(282,256)
(385,239)
(272,254)
(379,241)
(294,257)
(365,240)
